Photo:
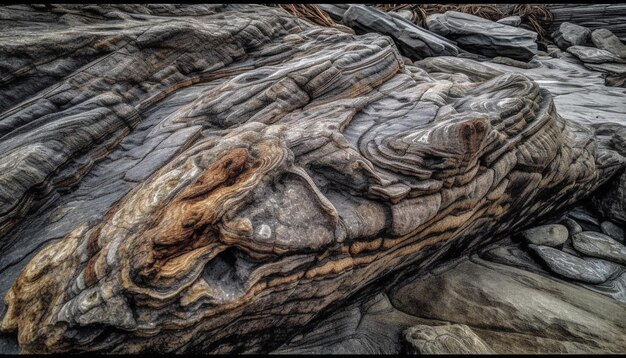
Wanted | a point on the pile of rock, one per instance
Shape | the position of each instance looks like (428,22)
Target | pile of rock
(450,34)
(579,248)
(599,50)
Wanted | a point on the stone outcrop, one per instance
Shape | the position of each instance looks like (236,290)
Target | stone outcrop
(569,34)
(412,40)
(485,37)
(176,183)
(591,16)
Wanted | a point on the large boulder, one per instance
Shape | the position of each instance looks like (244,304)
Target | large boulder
(606,40)
(412,40)
(485,37)
(570,34)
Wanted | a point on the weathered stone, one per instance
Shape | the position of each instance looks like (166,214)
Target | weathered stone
(548,235)
(593,55)
(610,200)
(593,16)
(614,231)
(500,304)
(581,269)
(447,339)
(569,34)
(599,245)
(606,40)
(412,40)
(296,165)
(510,21)
(485,37)
(572,226)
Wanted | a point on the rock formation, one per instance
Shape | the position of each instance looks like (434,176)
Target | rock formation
(484,37)
(177,183)
(592,16)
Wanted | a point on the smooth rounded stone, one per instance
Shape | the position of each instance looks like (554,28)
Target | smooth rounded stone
(510,21)
(588,270)
(614,231)
(599,245)
(572,226)
(484,37)
(446,339)
(593,55)
(549,235)
(569,34)
(606,40)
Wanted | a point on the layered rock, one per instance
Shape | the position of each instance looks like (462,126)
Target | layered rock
(606,40)
(485,37)
(255,169)
(569,34)
(413,41)
(592,16)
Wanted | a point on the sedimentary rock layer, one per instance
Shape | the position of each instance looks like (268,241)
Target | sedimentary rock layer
(593,16)
(268,168)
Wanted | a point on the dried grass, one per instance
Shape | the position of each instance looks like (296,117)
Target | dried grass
(308,12)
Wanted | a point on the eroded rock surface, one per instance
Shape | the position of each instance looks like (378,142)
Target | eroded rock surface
(485,37)
(176,183)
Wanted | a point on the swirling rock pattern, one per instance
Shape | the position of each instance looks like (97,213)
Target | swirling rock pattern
(259,168)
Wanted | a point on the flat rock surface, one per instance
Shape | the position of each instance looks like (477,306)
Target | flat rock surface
(488,38)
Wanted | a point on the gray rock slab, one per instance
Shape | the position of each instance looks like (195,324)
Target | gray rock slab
(606,40)
(412,40)
(569,34)
(484,37)
(510,21)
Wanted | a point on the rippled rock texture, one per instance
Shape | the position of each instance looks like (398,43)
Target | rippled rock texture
(483,36)
(179,183)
